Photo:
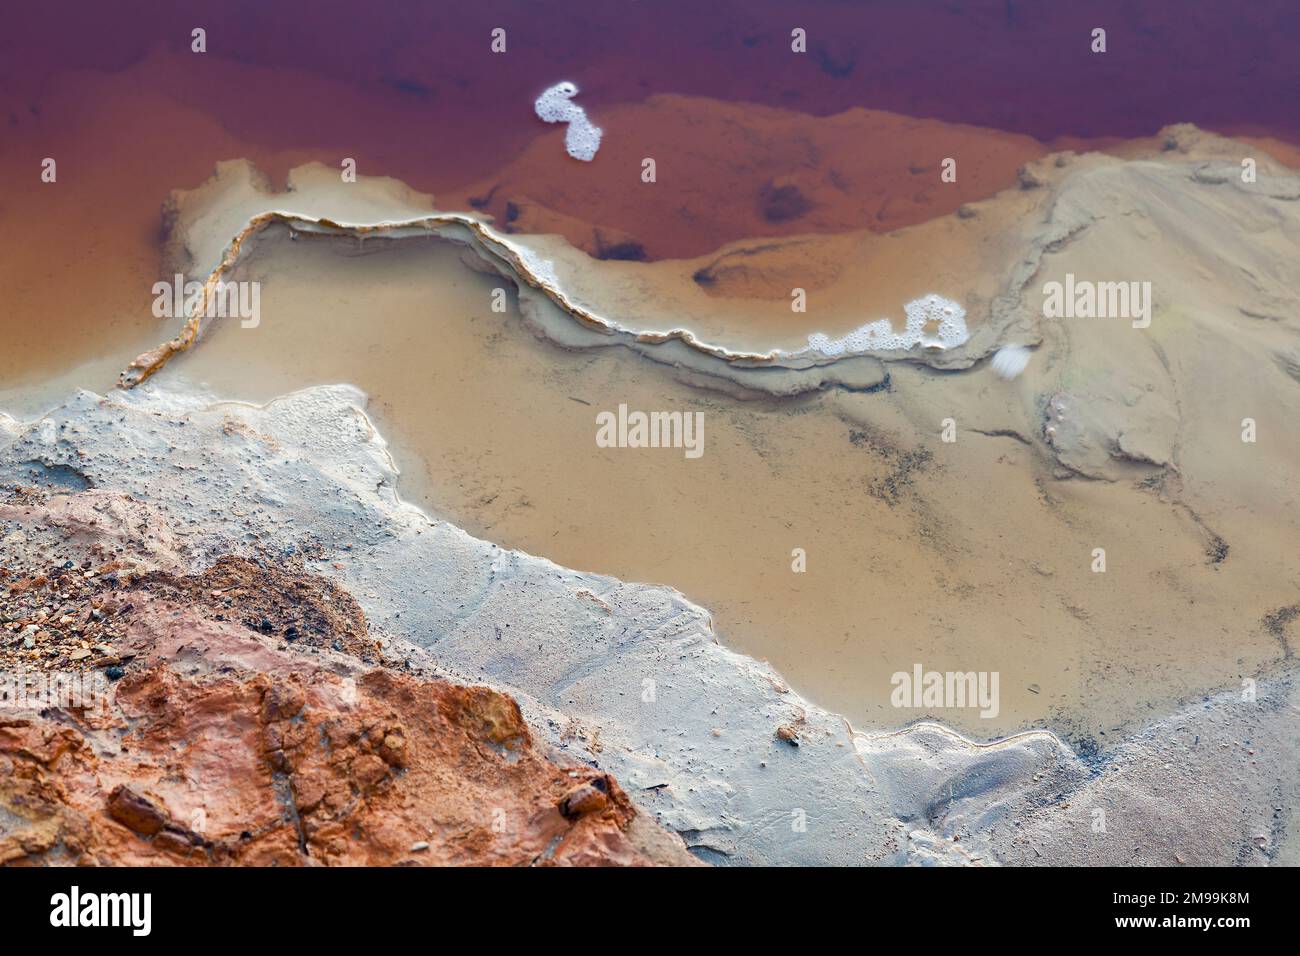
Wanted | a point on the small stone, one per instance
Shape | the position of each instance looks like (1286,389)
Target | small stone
(419,847)
(585,799)
(135,812)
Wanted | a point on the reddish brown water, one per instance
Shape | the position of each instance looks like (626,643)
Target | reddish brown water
(1019,65)
(412,90)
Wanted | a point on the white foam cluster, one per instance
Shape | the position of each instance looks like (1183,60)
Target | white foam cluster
(947,318)
(556,105)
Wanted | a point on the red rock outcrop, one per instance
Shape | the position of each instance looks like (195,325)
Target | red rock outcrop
(224,743)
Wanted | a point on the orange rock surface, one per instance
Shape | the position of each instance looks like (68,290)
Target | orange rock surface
(220,744)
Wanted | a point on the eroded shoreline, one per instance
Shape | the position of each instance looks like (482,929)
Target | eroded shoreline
(789,372)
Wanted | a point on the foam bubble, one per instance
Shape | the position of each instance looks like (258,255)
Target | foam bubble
(947,318)
(555,105)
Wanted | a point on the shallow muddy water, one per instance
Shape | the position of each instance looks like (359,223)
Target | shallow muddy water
(956,557)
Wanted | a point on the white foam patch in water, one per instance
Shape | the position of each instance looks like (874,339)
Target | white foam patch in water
(948,318)
(556,105)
